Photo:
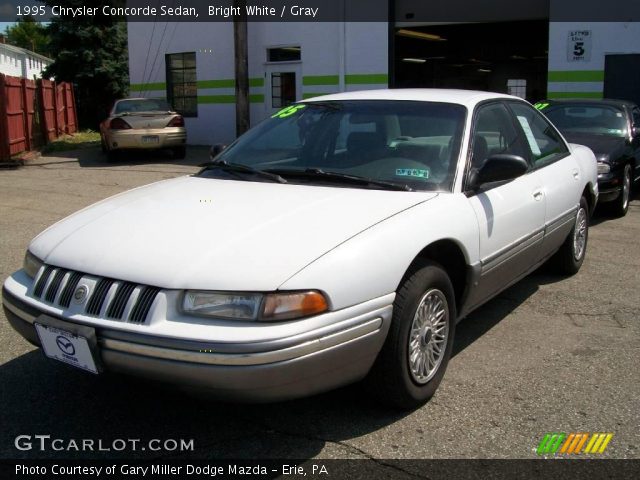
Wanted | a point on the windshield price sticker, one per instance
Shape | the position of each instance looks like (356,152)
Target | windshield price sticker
(288,111)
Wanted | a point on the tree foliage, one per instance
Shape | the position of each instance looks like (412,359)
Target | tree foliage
(92,53)
(30,34)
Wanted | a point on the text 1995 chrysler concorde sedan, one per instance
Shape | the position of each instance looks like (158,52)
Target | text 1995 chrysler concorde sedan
(342,238)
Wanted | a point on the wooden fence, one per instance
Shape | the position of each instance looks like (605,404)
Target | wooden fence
(34,112)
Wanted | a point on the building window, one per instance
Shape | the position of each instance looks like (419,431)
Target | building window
(517,88)
(284,54)
(283,89)
(182,86)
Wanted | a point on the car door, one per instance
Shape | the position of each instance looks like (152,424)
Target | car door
(510,214)
(557,170)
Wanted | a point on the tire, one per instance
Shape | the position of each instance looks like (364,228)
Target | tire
(620,206)
(179,153)
(394,380)
(570,257)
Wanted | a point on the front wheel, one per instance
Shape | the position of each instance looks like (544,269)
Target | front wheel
(571,255)
(414,357)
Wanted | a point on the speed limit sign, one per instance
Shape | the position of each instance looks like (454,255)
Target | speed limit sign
(579,46)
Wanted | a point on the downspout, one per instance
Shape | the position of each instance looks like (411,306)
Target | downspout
(342,48)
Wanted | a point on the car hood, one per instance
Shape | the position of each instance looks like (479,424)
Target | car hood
(201,233)
(599,144)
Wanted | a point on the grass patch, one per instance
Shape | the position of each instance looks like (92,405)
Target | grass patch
(84,139)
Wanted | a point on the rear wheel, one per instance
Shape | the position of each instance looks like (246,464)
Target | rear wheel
(571,255)
(414,357)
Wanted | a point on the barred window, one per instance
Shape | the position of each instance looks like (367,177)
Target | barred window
(182,86)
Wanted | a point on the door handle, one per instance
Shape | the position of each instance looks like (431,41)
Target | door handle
(537,195)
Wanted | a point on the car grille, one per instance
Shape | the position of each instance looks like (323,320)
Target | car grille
(112,299)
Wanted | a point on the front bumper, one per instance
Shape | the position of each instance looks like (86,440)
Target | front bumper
(273,370)
(610,185)
(168,137)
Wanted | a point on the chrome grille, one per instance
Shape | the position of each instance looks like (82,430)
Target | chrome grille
(52,291)
(123,304)
(42,281)
(142,307)
(99,294)
(119,302)
(70,287)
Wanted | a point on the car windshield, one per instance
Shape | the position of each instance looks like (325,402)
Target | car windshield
(408,143)
(589,119)
(141,105)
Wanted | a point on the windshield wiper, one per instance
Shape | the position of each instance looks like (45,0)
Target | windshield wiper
(339,177)
(239,168)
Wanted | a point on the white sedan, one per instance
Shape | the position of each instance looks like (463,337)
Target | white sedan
(341,239)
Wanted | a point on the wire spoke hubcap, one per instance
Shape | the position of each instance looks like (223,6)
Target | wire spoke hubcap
(580,234)
(428,336)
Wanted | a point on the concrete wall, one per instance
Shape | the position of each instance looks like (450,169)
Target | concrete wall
(584,77)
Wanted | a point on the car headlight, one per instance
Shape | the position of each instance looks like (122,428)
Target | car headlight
(254,306)
(603,167)
(31,264)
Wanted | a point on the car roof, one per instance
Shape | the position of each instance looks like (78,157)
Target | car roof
(590,101)
(468,98)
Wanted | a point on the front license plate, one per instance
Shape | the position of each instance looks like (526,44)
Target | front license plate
(146,139)
(67,347)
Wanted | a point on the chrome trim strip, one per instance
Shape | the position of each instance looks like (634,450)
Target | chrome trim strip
(560,220)
(507,252)
(16,311)
(261,358)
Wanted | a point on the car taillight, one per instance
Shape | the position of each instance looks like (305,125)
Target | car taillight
(176,121)
(119,124)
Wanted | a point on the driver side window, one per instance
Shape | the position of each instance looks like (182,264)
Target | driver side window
(494,133)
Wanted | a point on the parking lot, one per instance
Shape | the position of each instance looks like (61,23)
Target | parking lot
(550,354)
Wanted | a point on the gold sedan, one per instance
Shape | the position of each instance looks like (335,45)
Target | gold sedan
(143,123)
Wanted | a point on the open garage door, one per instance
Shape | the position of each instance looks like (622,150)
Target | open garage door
(506,57)
(622,77)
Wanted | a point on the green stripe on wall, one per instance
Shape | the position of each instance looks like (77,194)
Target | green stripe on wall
(225,83)
(574,95)
(576,76)
(220,83)
(256,98)
(367,79)
(321,80)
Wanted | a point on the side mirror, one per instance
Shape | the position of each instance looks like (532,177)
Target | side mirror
(635,131)
(498,168)
(216,150)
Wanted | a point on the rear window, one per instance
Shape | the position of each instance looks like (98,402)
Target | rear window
(588,119)
(142,105)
